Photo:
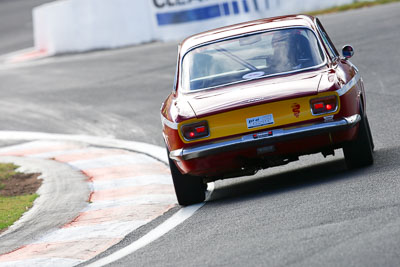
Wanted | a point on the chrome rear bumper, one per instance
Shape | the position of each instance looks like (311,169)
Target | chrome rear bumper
(264,138)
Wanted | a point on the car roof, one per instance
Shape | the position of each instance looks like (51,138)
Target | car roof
(246,27)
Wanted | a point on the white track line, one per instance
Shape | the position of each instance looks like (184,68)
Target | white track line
(131,181)
(178,218)
(110,161)
(147,149)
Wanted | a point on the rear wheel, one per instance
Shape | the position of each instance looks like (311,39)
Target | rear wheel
(370,134)
(188,189)
(358,153)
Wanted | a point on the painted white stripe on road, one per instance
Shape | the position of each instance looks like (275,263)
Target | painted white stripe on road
(28,145)
(157,199)
(97,231)
(147,149)
(39,145)
(53,154)
(156,233)
(176,219)
(110,161)
(132,181)
(42,262)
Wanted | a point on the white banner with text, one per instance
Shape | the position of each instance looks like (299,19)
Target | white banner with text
(81,25)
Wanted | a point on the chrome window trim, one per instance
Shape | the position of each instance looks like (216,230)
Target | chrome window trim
(333,51)
(183,90)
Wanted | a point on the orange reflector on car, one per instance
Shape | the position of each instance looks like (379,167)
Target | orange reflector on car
(195,130)
(323,105)
(318,105)
(201,129)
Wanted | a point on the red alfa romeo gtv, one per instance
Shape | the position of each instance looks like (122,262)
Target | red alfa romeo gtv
(257,95)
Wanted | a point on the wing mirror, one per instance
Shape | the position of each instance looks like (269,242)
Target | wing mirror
(347,51)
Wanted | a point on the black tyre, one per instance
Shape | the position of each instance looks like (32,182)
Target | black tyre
(370,134)
(359,153)
(188,189)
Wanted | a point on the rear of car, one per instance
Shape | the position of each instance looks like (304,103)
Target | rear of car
(248,100)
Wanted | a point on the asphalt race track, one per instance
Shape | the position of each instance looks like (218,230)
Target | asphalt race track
(16,24)
(309,213)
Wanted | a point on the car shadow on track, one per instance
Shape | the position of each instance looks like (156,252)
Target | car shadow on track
(304,177)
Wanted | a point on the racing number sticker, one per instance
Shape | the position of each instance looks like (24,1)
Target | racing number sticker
(260,121)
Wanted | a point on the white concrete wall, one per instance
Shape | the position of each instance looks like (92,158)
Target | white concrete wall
(82,25)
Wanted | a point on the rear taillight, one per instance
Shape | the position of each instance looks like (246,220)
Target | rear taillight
(195,130)
(324,105)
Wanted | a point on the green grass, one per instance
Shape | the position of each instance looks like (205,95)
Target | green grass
(12,208)
(351,6)
(7,170)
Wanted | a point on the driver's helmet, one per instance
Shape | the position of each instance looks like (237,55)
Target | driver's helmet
(282,37)
(284,54)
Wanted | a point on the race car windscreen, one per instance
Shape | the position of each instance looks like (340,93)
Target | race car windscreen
(250,57)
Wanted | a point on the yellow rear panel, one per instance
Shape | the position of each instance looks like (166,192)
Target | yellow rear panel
(283,112)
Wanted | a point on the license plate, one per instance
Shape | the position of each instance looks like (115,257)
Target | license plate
(266,149)
(260,121)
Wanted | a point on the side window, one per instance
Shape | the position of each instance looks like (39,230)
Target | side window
(333,53)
